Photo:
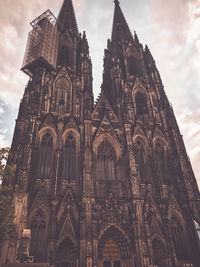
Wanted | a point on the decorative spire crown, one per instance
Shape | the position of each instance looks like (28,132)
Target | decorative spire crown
(66,18)
(120,29)
(116,2)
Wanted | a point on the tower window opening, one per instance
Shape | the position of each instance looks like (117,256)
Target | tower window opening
(69,159)
(106,161)
(161,163)
(132,65)
(64,59)
(140,156)
(178,236)
(38,237)
(141,104)
(111,254)
(46,157)
(67,254)
(159,254)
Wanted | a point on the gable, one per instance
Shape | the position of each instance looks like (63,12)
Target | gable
(103,108)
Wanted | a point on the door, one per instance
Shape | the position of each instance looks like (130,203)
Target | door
(111,264)
(111,254)
(107,264)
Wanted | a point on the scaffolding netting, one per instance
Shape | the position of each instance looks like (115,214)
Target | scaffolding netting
(42,45)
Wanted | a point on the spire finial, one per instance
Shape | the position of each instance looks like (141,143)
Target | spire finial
(116,2)
(120,29)
(66,18)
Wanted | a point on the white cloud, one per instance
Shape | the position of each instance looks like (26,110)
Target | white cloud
(3,141)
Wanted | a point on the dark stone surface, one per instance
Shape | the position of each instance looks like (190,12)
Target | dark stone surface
(28,265)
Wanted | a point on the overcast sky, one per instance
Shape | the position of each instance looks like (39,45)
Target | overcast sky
(170,28)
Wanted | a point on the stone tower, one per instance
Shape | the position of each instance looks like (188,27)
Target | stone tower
(110,184)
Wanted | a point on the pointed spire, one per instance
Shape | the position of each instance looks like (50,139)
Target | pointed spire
(120,29)
(116,2)
(66,18)
(148,53)
(136,37)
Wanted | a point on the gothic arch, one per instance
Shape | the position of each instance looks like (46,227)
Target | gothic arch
(160,239)
(156,222)
(67,227)
(44,159)
(111,140)
(116,234)
(46,130)
(141,158)
(64,237)
(159,251)
(67,252)
(179,236)
(162,140)
(139,91)
(131,51)
(161,154)
(38,223)
(68,200)
(40,207)
(70,155)
(62,92)
(175,210)
(72,132)
(134,61)
(106,161)
(156,214)
(141,138)
(73,212)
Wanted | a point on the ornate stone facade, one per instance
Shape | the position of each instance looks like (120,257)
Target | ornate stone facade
(106,184)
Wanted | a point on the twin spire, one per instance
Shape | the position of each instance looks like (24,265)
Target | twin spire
(67,21)
(120,30)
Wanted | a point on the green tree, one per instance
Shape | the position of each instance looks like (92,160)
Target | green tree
(6,194)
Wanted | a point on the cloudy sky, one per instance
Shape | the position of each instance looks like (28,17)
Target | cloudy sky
(170,28)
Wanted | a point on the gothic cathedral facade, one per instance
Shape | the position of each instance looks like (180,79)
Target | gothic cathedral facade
(106,184)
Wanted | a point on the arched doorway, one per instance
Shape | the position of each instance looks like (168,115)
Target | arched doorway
(111,254)
(159,254)
(114,249)
(67,255)
(38,242)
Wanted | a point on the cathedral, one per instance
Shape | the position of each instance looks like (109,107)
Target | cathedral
(105,184)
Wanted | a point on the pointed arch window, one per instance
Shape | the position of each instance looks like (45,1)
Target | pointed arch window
(132,65)
(63,92)
(159,254)
(69,161)
(67,254)
(141,160)
(46,157)
(141,104)
(161,162)
(38,237)
(64,58)
(178,236)
(106,161)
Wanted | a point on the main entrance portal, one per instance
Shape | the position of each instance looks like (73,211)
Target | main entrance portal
(111,264)
(67,254)
(111,254)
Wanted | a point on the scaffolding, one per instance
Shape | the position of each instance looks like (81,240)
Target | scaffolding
(42,44)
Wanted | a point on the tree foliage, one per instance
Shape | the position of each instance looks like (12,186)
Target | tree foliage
(6,194)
